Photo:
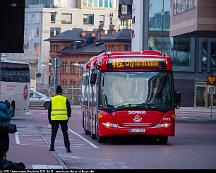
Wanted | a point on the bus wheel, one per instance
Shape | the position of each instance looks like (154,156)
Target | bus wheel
(101,139)
(163,139)
(86,131)
(93,136)
(46,105)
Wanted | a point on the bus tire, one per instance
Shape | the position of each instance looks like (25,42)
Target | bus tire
(93,136)
(46,105)
(86,131)
(163,139)
(101,139)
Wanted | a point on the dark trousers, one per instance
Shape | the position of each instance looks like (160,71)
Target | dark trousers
(4,145)
(64,128)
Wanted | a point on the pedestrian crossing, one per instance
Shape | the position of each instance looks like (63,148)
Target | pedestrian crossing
(29,136)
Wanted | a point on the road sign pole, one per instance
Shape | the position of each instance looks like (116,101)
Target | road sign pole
(211,104)
(55,74)
(211,91)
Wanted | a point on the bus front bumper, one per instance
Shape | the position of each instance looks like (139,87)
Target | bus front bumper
(167,129)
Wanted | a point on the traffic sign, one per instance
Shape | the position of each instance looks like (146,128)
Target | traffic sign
(212,80)
(211,89)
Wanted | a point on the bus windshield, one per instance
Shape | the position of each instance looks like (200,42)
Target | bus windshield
(132,90)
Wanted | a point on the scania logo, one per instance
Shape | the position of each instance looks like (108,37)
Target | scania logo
(136,112)
(137,119)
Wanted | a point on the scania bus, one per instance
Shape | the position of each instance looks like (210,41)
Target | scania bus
(14,85)
(129,93)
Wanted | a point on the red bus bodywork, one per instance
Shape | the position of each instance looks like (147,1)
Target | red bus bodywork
(101,123)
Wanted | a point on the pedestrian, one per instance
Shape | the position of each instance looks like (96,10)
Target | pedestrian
(59,113)
(5,117)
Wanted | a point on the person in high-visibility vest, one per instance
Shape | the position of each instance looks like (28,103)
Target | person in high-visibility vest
(59,113)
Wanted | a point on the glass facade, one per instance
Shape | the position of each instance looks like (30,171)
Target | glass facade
(204,55)
(177,48)
(159,15)
(213,56)
(181,6)
(181,51)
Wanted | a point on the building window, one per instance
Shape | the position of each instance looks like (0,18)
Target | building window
(155,15)
(106,3)
(180,51)
(95,3)
(53,17)
(66,18)
(84,3)
(111,4)
(65,67)
(177,48)
(54,31)
(71,67)
(181,6)
(74,67)
(101,3)
(204,55)
(90,3)
(124,9)
(213,56)
(126,47)
(101,19)
(88,19)
(166,15)
(159,15)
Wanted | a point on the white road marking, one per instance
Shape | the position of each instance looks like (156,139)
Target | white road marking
(27,144)
(34,166)
(17,138)
(43,113)
(93,145)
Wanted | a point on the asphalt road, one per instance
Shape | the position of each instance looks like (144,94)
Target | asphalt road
(193,147)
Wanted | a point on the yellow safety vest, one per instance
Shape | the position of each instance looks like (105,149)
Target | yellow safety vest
(59,108)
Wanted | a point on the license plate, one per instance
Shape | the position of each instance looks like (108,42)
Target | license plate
(136,130)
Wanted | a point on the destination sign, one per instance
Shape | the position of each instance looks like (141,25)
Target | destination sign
(125,63)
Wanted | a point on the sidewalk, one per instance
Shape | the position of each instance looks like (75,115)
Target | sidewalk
(29,147)
(199,114)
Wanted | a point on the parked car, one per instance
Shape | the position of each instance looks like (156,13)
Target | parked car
(38,99)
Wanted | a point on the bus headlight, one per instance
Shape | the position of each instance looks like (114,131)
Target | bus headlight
(164,125)
(111,125)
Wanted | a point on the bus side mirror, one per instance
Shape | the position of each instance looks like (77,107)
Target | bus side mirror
(93,77)
(177,99)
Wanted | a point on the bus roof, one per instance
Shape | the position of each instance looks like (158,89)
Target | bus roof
(132,61)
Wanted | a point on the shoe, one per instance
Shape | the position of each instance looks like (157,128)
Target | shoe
(68,150)
(52,149)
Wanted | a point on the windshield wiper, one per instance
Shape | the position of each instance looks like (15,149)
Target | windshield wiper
(148,105)
(124,106)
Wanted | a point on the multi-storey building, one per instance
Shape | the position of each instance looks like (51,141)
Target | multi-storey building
(42,23)
(185,30)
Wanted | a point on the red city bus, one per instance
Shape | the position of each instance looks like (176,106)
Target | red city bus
(129,93)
